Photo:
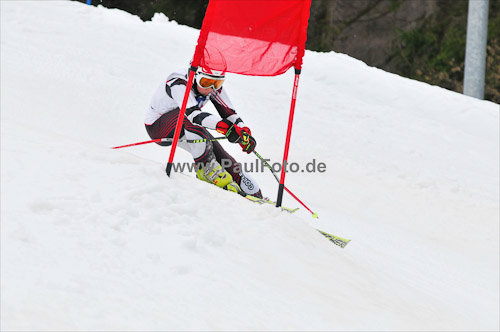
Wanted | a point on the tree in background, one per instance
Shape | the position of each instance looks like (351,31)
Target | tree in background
(419,39)
(185,12)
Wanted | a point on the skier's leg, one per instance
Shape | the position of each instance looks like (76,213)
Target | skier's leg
(246,182)
(164,127)
(208,169)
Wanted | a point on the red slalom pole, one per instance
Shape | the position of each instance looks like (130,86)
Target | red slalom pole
(138,143)
(288,135)
(168,139)
(314,214)
(180,120)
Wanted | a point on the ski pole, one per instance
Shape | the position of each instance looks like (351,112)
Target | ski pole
(267,165)
(314,214)
(162,140)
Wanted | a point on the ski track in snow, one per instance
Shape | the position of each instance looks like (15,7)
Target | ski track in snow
(100,239)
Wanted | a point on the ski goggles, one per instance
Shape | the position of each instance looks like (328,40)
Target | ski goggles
(207,81)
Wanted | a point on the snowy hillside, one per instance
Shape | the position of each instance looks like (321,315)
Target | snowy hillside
(96,239)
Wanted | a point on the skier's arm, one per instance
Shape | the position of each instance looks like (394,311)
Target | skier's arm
(225,108)
(232,126)
(176,90)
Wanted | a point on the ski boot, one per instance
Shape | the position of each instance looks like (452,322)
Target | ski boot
(212,172)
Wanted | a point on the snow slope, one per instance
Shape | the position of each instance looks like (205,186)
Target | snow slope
(100,239)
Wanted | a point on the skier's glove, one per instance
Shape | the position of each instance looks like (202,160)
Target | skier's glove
(236,134)
(249,145)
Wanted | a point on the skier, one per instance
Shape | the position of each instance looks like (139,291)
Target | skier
(161,119)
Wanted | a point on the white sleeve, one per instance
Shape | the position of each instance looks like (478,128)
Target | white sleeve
(193,111)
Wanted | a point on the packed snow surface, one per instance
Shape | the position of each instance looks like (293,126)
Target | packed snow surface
(100,239)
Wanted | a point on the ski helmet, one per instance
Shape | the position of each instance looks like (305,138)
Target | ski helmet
(212,70)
